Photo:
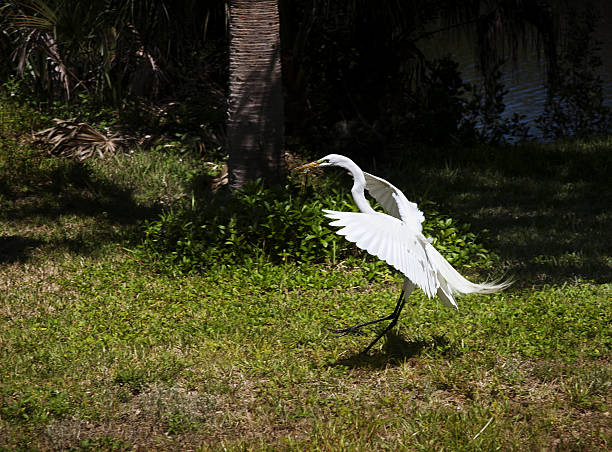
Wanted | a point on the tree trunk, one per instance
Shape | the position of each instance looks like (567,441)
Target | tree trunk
(255,108)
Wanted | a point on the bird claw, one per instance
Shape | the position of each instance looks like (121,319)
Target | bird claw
(347,330)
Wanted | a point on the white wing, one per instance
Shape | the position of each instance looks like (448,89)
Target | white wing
(391,240)
(394,202)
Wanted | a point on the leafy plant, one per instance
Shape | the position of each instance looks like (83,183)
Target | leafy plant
(17,114)
(456,241)
(575,105)
(484,120)
(135,379)
(434,112)
(107,49)
(258,221)
(278,224)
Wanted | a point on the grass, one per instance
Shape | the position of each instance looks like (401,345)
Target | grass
(100,352)
(546,206)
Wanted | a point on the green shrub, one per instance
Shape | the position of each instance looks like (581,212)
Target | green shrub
(457,243)
(276,225)
(280,224)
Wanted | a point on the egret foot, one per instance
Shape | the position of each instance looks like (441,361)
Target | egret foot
(394,315)
(355,328)
(344,331)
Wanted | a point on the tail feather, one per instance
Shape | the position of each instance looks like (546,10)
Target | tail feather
(455,282)
(446,296)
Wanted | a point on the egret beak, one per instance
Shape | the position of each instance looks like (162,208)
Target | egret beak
(308,165)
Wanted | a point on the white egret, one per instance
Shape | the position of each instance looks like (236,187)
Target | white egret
(397,238)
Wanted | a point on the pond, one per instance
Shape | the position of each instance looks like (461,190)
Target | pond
(525,78)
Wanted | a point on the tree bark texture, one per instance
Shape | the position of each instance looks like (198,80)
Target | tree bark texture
(255,124)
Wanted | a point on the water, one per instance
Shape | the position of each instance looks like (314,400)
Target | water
(525,80)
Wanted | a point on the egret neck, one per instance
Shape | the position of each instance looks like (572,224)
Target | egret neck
(358,190)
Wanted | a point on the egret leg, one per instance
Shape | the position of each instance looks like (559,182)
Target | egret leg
(393,322)
(406,291)
(393,315)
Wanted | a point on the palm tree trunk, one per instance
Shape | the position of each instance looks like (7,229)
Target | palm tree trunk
(255,110)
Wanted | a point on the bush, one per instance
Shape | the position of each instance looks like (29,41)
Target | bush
(276,225)
(575,104)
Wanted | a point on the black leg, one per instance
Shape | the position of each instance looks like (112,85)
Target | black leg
(393,322)
(393,316)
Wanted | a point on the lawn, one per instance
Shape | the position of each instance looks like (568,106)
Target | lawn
(100,350)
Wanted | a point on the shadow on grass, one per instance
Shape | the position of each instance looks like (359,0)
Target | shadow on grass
(15,248)
(63,205)
(395,351)
(545,207)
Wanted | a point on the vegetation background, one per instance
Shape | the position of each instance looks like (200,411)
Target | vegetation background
(145,306)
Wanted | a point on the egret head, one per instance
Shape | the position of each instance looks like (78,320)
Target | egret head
(329,160)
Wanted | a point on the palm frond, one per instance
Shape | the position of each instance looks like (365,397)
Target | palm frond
(43,17)
(74,139)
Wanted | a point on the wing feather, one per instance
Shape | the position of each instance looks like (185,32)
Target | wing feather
(394,202)
(391,240)
(382,191)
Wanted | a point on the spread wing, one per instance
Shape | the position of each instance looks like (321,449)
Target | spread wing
(394,202)
(391,240)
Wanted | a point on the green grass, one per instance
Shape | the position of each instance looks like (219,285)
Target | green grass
(246,358)
(546,206)
(100,352)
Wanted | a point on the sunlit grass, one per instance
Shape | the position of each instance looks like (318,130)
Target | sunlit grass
(98,351)
(230,357)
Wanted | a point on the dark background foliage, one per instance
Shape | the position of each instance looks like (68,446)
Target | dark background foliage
(356,76)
